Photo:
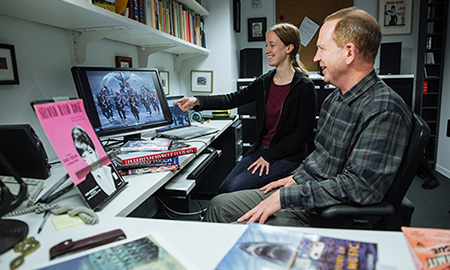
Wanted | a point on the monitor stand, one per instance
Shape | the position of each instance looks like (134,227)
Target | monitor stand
(11,232)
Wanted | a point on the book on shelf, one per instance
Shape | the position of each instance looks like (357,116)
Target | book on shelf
(175,19)
(80,151)
(153,169)
(429,247)
(140,157)
(429,43)
(429,58)
(425,87)
(106,4)
(147,145)
(269,247)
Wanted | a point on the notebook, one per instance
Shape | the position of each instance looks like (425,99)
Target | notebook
(181,129)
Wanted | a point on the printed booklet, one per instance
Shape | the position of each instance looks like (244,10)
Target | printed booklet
(77,146)
(157,144)
(150,252)
(143,157)
(270,247)
(428,247)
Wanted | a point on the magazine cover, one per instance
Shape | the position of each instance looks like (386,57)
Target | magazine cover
(151,163)
(77,146)
(147,145)
(144,170)
(270,247)
(429,247)
(150,252)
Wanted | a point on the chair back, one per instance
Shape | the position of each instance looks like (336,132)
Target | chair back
(410,162)
(387,215)
(406,172)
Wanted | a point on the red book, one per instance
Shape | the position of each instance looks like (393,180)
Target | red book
(139,157)
(425,87)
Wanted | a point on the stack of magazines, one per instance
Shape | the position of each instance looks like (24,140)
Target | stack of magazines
(150,156)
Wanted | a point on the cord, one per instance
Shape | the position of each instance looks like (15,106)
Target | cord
(86,214)
(180,213)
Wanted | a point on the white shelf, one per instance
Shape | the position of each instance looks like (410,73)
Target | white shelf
(89,22)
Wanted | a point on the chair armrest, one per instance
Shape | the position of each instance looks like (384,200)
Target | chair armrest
(382,208)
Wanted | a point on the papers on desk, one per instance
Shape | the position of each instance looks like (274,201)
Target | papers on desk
(149,252)
(269,247)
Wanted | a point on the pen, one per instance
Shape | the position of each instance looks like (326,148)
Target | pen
(47,213)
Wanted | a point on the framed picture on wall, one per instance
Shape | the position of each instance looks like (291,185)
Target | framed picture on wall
(201,81)
(256,29)
(164,76)
(124,62)
(395,17)
(8,65)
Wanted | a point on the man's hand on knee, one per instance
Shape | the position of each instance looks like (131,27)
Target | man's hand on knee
(263,210)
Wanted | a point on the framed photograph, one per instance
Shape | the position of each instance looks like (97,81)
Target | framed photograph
(201,81)
(124,62)
(395,17)
(237,15)
(8,65)
(164,76)
(257,29)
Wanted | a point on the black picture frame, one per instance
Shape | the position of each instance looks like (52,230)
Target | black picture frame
(8,65)
(237,15)
(257,29)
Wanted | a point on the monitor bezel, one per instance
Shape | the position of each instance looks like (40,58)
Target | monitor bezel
(130,132)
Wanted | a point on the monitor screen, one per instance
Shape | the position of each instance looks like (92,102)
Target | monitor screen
(179,118)
(122,101)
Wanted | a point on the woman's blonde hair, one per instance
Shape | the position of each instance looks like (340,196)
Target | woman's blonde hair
(289,34)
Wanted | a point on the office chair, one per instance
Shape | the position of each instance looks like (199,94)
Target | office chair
(395,210)
(11,231)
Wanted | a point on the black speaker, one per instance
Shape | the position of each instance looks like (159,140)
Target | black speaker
(24,150)
(251,63)
(390,58)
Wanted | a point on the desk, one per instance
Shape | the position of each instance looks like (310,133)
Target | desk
(204,244)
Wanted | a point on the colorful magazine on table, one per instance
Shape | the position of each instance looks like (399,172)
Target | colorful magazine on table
(157,144)
(150,252)
(430,248)
(142,157)
(269,247)
(144,170)
(77,146)
(151,163)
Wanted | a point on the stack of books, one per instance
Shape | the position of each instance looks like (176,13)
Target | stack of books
(150,156)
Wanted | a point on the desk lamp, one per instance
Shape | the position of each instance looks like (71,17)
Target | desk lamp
(11,231)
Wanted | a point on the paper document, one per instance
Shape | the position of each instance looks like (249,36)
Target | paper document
(308,29)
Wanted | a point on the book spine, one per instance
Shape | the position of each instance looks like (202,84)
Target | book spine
(139,171)
(142,18)
(152,163)
(135,10)
(164,155)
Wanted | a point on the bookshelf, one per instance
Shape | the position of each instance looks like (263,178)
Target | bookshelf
(430,67)
(89,23)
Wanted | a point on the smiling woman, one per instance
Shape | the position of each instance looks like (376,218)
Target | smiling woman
(285,113)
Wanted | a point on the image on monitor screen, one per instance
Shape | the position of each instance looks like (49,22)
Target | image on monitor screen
(122,101)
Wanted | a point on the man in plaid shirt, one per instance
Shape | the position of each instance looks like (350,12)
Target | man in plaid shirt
(362,132)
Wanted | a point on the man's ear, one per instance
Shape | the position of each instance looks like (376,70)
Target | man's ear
(351,52)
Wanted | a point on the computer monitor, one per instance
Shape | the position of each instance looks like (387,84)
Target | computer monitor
(122,101)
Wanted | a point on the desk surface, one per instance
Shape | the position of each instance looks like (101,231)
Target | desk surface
(204,244)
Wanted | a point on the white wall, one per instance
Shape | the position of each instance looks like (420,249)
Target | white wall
(443,142)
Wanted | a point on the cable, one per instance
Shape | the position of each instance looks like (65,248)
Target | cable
(180,213)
